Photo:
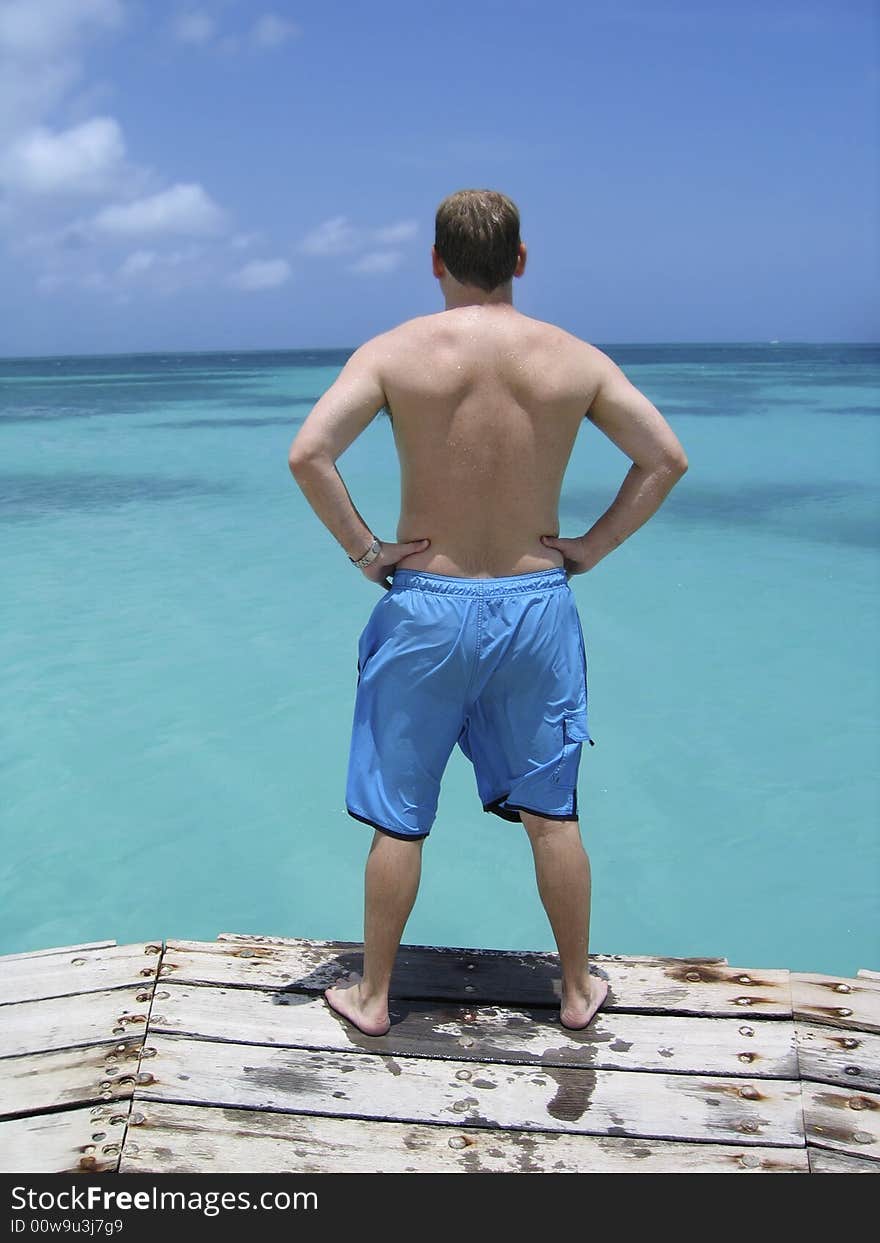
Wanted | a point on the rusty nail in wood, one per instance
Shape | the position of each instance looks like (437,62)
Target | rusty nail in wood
(749,1092)
(77,962)
(857,1102)
(746,1057)
(747,1031)
(751,1161)
(742,1001)
(458,1141)
(748,1126)
(842,988)
(842,1010)
(849,1042)
(694,976)
(852,1070)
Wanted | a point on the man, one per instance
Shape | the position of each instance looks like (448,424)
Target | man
(476,639)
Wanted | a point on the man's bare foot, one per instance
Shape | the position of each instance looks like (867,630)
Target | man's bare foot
(345,998)
(577,1011)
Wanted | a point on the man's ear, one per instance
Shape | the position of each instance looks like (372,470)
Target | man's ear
(437,263)
(521,261)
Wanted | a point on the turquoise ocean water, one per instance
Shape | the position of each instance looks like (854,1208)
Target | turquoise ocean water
(178,655)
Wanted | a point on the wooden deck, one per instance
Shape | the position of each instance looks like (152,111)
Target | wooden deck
(191,1056)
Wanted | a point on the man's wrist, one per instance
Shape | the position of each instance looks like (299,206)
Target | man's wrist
(368,557)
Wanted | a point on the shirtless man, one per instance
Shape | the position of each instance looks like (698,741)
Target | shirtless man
(476,639)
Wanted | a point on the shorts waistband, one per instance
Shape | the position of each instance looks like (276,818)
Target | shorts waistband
(452,585)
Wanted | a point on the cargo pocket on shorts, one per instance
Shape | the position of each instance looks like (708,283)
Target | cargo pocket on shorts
(575,732)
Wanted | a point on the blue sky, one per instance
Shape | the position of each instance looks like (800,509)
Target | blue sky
(227,174)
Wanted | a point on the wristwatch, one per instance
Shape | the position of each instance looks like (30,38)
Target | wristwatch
(369,556)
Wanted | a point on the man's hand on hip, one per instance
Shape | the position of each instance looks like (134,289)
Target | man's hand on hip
(378,571)
(575,557)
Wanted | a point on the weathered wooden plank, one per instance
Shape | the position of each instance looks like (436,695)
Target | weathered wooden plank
(85,971)
(668,1043)
(68,1077)
(166,1138)
(846,1121)
(865,974)
(851,1003)
(73,1141)
(616,1102)
(659,985)
(430,950)
(78,1019)
(824,1161)
(832,1055)
(57,949)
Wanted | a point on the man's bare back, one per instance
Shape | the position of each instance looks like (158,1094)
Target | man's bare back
(486,404)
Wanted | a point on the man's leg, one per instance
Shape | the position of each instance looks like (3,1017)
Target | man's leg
(562,870)
(391,882)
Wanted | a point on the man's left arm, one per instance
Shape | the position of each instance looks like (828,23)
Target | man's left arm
(334,422)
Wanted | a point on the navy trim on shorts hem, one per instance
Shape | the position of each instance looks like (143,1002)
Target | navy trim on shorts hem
(403,837)
(509,812)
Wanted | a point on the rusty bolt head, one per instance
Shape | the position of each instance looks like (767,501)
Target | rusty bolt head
(849,1042)
(89,1148)
(842,988)
(458,1141)
(857,1102)
(746,1057)
(749,1092)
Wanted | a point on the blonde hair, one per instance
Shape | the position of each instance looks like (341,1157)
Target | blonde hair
(476,234)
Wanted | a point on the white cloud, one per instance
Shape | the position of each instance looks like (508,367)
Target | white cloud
(40,54)
(378,261)
(394,233)
(183,208)
(43,27)
(261,274)
(81,160)
(196,27)
(241,241)
(271,31)
(137,262)
(333,237)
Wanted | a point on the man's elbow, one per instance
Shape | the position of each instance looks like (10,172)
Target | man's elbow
(302,459)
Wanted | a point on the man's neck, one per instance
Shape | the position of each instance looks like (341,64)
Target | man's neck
(470,296)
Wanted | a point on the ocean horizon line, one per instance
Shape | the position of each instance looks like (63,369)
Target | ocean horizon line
(338,349)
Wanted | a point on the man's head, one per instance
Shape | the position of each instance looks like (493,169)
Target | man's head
(477,244)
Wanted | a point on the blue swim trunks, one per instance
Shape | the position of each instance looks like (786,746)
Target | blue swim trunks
(497,665)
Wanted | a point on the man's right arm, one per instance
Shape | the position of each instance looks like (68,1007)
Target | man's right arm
(639,430)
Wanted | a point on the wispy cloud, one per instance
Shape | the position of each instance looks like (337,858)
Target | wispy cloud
(378,261)
(261,274)
(338,236)
(335,236)
(270,31)
(195,27)
(86,159)
(184,208)
(403,231)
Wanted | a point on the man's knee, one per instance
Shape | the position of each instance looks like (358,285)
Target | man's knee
(539,828)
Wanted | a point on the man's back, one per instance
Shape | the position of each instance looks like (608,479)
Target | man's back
(486,404)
